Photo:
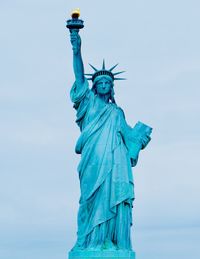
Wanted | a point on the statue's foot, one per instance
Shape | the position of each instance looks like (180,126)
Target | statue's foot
(109,246)
(93,248)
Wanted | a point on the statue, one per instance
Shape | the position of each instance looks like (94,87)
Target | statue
(109,147)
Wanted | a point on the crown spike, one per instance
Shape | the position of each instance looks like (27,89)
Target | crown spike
(103,71)
(95,69)
(118,73)
(111,69)
(119,78)
(103,66)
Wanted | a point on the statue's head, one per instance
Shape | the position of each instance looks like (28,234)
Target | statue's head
(103,85)
(103,80)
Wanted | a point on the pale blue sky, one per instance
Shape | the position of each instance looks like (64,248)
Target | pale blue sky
(157,43)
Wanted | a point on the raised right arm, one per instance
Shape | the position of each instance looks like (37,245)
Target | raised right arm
(77,58)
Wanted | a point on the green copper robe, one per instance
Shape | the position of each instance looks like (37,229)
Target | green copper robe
(108,148)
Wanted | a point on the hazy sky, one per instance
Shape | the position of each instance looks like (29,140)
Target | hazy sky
(157,43)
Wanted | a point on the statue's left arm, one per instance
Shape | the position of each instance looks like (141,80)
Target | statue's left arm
(136,138)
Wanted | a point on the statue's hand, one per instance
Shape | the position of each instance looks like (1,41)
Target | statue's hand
(145,140)
(75,41)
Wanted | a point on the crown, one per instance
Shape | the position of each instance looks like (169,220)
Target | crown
(104,71)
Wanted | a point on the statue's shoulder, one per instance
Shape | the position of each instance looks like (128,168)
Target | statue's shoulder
(120,111)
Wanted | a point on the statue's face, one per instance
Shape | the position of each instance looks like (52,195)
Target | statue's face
(103,86)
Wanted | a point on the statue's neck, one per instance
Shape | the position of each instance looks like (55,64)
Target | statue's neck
(104,97)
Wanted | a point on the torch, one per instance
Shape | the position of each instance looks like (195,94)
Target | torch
(75,23)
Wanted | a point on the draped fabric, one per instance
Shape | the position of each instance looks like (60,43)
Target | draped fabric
(108,148)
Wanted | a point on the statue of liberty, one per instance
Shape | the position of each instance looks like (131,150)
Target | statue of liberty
(109,147)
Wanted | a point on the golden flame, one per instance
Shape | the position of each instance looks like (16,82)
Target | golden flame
(75,13)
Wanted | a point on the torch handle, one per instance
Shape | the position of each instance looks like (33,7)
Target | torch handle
(74,31)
